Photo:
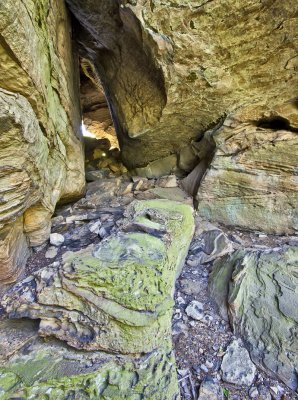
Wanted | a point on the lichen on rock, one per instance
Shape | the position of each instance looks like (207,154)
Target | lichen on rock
(260,291)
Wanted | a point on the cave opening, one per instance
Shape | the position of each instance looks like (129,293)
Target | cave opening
(102,150)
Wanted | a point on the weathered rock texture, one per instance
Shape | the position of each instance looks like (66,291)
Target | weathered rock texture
(55,372)
(260,291)
(253,178)
(116,296)
(41,158)
(171,70)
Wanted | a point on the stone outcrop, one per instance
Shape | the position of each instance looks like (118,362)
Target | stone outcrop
(53,371)
(116,296)
(258,288)
(252,181)
(41,154)
(172,70)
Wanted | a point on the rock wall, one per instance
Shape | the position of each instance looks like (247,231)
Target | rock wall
(252,181)
(173,70)
(41,157)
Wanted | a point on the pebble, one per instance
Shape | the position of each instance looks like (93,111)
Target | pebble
(56,239)
(204,368)
(180,300)
(195,310)
(95,228)
(51,252)
(253,392)
(193,263)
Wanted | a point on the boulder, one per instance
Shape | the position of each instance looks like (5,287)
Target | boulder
(259,290)
(115,296)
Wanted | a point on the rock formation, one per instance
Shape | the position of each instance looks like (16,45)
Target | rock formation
(115,296)
(172,70)
(260,291)
(40,151)
(202,90)
(252,180)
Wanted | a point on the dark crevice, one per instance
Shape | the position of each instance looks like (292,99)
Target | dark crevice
(276,123)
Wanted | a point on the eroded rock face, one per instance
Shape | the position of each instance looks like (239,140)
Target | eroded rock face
(173,70)
(252,181)
(260,290)
(56,372)
(116,296)
(41,155)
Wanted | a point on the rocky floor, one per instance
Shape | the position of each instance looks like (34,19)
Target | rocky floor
(201,340)
(207,352)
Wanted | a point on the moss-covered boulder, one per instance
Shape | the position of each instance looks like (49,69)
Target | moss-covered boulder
(54,372)
(115,296)
(259,289)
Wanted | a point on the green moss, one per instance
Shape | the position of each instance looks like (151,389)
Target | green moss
(192,77)
(152,378)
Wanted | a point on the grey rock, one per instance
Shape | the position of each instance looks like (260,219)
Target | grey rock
(237,366)
(195,310)
(56,239)
(51,252)
(210,390)
(261,289)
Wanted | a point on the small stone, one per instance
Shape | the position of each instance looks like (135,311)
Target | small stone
(210,390)
(253,392)
(195,310)
(56,239)
(178,328)
(209,364)
(167,181)
(183,372)
(95,228)
(204,368)
(193,263)
(138,185)
(180,300)
(51,252)
(237,366)
(274,389)
(75,218)
(128,189)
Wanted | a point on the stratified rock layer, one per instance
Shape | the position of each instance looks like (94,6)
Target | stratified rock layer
(252,181)
(260,288)
(173,69)
(55,372)
(116,296)
(41,158)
